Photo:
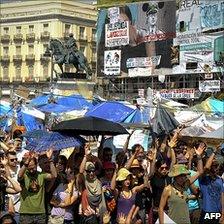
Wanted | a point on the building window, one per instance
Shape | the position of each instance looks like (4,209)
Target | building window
(82,32)
(67,28)
(6,30)
(30,71)
(82,49)
(18,50)
(31,28)
(45,70)
(18,29)
(30,49)
(94,34)
(18,72)
(93,54)
(5,50)
(46,26)
(5,72)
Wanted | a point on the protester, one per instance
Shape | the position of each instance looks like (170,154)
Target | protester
(32,208)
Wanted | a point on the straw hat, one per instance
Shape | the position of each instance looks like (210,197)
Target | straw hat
(122,174)
(135,164)
(177,170)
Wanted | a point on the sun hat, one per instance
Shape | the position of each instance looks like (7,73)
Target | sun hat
(122,174)
(108,165)
(135,164)
(90,166)
(177,170)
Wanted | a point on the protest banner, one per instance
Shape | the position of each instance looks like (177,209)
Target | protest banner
(209,86)
(112,61)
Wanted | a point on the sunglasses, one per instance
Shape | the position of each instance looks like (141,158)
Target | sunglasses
(90,171)
(164,168)
(12,160)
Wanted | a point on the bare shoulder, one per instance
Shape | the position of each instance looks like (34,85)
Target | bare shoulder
(167,190)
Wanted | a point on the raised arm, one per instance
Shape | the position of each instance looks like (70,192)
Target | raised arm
(53,171)
(125,148)
(113,180)
(200,170)
(163,201)
(83,163)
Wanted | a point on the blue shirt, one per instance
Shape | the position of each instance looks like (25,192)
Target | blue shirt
(193,204)
(211,193)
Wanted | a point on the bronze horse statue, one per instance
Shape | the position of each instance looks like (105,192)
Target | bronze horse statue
(63,55)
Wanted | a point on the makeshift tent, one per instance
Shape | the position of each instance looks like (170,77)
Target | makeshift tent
(76,102)
(210,105)
(217,134)
(40,100)
(54,108)
(112,111)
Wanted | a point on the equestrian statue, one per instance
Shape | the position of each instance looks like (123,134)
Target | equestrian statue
(69,54)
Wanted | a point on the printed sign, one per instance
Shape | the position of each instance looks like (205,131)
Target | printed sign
(117,34)
(209,86)
(178,93)
(135,72)
(113,14)
(188,27)
(112,60)
(143,61)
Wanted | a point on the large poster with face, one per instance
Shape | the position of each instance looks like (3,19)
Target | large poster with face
(151,32)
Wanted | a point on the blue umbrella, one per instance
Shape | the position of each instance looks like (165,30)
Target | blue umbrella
(56,141)
(35,134)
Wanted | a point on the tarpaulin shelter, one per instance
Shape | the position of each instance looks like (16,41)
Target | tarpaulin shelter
(138,116)
(112,111)
(54,108)
(40,100)
(77,102)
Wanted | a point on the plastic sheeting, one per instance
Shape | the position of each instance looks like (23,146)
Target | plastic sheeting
(40,100)
(113,111)
(77,102)
(138,116)
(54,108)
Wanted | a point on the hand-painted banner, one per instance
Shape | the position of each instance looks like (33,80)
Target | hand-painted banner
(209,86)
(112,60)
(178,93)
(113,14)
(143,61)
(117,34)
(212,16)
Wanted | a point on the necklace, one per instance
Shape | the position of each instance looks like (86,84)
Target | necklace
(180,193)
(127,195)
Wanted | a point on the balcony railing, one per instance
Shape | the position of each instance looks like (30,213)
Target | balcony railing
(5,59)
(30,37)
(30,57)
(93,38)
(82,37)
(44,59)
(18,37)
(17,58)
(5,38)
(45,36)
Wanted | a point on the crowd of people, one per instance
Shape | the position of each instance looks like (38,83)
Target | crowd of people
(172,180)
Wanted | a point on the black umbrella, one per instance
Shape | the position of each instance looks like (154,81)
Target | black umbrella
(163,122)
(90,126)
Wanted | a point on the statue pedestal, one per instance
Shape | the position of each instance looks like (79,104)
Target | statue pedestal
(72,75)
(74,83)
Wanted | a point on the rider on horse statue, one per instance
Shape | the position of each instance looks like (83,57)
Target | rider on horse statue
(71,46)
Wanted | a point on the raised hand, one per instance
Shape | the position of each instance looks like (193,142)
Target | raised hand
(200,149)
(49,153)
(121,218)
(4,161)
(106,217)
(87,149)
(172,143)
